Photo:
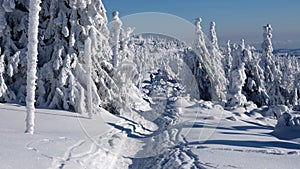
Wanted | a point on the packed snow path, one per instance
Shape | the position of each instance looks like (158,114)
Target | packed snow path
(165,148)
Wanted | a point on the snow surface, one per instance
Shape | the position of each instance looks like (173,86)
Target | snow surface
(169,131)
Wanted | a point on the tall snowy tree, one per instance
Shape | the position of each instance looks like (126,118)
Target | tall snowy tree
(267,62)
(272,76)
(211,61)
(32,54)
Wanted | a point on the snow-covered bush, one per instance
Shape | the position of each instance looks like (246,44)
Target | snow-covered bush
(288,120)
(275,111)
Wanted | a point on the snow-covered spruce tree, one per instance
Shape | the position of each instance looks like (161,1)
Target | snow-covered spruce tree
(32,53)
(237,79)
(13,42)
(267,62)
(63,83)
(272,76)
(211,61)
(115,33)
(254,88)
(289,72)
(217,60)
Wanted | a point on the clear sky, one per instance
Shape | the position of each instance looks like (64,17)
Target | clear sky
(235,19)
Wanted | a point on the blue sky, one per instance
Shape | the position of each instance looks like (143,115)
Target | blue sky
(235,19)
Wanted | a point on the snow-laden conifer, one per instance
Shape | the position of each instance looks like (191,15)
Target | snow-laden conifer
(237,78)
(211,60)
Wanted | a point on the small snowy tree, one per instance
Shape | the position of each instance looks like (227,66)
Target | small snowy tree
(32,54)
(237,79)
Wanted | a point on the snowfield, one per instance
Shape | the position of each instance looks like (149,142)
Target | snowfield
(184,134)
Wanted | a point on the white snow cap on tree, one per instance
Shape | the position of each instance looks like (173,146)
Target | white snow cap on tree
(115,32)
(267,43)
(213,35)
